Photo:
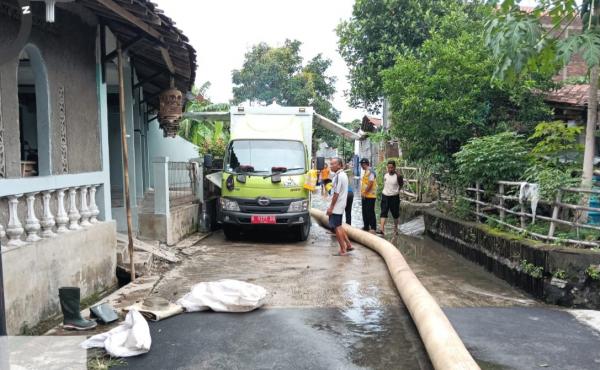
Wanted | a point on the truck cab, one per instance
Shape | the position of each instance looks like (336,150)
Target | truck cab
(265,169)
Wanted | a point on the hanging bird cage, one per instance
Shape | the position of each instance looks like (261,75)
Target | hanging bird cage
(171,111)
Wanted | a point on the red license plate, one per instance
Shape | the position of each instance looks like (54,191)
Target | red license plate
(260,219)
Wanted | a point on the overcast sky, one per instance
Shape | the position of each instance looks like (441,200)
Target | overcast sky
(222,31)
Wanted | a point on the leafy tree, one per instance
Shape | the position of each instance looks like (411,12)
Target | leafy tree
(520,44)
(441,95)
(277,73)
(211,137)
(489,159)
(377,32)
(556,157)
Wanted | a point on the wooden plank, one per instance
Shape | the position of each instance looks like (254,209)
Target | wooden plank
(125,159)
(579,208)
(2,307)
(580,190)
(501,196)
(478,198)
(555,214)
(540,236)
(116,8)
(510,183)
(167,58)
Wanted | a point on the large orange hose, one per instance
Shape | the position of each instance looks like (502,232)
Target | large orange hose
(444,347)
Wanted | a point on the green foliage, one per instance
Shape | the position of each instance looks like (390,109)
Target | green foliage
(556,156)
(593,271)
(210,137)
(463,210)
(551,179)
(555,139)
(441,95)
(378,31)
(560,274)
(277,73)
(531,269)
(492,158)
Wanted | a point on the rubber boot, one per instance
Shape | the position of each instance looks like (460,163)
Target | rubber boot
(69,304)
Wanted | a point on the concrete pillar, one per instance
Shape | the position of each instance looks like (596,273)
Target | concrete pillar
(161,185)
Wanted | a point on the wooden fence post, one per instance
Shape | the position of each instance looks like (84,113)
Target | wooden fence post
(523,219)
(555,214)
(478,199)
(501,196)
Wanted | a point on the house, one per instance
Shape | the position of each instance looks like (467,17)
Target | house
(61,172)
(569,103)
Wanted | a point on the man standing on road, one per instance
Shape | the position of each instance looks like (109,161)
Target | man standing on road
(390,197)
(338,205)
(350,198)
(368,196)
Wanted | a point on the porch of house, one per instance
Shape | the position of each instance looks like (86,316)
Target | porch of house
(53,234)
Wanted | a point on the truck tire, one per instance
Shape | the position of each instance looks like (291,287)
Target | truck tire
(231,232)
(303,231)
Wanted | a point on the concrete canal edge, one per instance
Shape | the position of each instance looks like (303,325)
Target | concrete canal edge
(444,347)
(529,265)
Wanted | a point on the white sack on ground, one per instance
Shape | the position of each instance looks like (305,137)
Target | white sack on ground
(224,296)
(131,338)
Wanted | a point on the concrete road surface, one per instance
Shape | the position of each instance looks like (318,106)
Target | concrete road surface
(327,312)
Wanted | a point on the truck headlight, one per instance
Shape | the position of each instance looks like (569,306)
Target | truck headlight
(229,205)
(298,206)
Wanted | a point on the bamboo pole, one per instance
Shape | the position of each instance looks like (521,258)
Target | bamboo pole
(555,213)
(124,151)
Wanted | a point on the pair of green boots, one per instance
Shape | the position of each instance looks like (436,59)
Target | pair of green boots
(69,304)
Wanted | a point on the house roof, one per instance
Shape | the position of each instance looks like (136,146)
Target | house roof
(157,48)
(571,95)
(370,124)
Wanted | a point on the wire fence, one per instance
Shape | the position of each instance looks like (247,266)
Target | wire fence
(182,182)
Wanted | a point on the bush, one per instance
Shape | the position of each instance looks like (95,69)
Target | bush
(489,159)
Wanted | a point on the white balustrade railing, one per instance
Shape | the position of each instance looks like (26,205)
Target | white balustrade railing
(53,218)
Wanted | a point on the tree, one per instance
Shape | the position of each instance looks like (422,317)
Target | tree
(276,73)
(378,31)
(210,137)
(520,45)
(441,94)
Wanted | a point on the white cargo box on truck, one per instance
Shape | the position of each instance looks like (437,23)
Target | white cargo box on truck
(273,122)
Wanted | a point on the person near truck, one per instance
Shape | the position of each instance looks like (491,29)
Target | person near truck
(390,196)
(325,179)
(338,205)
(350,198)
(368,196)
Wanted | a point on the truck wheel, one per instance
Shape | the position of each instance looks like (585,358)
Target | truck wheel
(231,232)
(303,231)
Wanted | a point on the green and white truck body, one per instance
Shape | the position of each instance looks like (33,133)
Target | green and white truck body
(265,168)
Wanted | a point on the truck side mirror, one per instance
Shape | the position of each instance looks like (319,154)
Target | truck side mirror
(320,163)
(208,160)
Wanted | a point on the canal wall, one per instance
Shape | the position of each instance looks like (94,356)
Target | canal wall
(524,263)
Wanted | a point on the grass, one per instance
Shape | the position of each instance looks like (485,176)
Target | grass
(100,360)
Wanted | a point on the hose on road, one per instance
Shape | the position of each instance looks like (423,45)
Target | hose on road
(444,347)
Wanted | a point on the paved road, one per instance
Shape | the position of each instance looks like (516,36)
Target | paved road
(327,312)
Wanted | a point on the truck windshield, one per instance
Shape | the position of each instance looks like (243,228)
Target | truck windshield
(262,156)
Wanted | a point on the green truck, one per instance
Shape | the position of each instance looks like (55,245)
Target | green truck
(265,168)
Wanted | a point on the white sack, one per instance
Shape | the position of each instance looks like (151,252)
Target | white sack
(224,296)
(131,338)
(530,192)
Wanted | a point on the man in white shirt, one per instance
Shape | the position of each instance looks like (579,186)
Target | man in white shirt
(338,206)
(390,196)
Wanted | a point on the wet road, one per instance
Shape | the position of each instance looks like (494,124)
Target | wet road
(327,312)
